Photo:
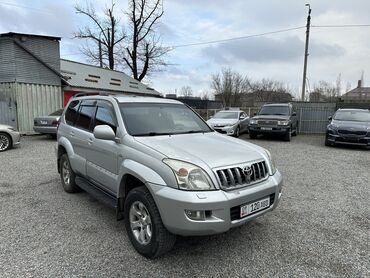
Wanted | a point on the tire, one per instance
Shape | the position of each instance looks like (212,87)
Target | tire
(237,132)
(156,240)
(252,135)
(67,175)
(5,142)
(327,142)
(295,131)
(288,136)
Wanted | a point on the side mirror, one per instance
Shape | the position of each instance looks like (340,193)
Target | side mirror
(241,118)
(104,132)
(330,118)
(294,114)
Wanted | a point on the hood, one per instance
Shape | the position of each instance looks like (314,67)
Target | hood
(271,117)
(214,149)
(221,122)
(352,125)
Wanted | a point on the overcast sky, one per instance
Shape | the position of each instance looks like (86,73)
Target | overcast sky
(333,51)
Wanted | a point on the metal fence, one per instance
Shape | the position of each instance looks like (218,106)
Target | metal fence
(312,117)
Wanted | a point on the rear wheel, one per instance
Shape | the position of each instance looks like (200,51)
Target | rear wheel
(144,224)
(252,135)
(5,142)
(67,175)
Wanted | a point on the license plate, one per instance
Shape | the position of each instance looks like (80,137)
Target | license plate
(44,122)
(266,128)
(254,207)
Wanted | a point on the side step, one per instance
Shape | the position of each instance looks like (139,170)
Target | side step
(97,192)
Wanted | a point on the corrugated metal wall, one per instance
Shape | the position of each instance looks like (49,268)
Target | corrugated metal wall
(32,100)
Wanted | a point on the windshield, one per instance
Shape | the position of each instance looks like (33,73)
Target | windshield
(151,119)
(274,110)
(226,115)
(358,116)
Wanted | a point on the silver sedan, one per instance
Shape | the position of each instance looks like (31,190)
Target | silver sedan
(9,137)
(47,124)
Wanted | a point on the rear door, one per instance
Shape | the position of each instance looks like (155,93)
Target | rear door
(102,155)
(80,133)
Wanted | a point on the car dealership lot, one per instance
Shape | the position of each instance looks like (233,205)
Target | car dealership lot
(321,227)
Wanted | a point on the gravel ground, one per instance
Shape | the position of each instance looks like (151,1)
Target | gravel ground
(321,227)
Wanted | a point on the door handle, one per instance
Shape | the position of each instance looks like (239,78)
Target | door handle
(90,141)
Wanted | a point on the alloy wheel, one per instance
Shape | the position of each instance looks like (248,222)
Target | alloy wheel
(4,142)
(140,223)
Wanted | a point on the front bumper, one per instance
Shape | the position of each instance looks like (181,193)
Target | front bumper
(172,204)
(269,129)
(16,138)
(45,129)
(228,130)
(348,140)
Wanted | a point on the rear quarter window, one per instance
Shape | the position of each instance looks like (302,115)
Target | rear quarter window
(72,112)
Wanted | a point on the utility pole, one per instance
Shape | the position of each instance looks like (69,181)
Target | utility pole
(100,51)
(306,51)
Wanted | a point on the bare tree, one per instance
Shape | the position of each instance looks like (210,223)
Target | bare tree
(329,91)
(144,52)
(104,34)
(186,91)
(268,90)
(229,86)
(205,96)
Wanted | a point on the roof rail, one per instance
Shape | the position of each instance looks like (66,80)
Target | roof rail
(95,94)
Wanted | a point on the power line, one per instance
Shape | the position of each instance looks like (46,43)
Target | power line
(341,26)
(238,38)
(24,7)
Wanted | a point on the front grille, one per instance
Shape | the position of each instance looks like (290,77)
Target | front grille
(235,211)
(266,122)
(352,132)
(236,177)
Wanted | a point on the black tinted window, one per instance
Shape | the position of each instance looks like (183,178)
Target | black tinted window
(274,110)
(85,117)
(72,112)
(105,116)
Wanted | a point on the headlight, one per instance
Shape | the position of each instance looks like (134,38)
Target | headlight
(271,162)
(189,176)
(283,122)
(253,122)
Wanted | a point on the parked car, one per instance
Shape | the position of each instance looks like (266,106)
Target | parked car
(47,124)
(230,122)
(350,127)
(275,118)
(9,137)
(163,168)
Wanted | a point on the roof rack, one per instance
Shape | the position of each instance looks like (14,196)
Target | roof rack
(95,94)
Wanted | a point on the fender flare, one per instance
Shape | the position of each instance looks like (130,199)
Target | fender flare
(139,171)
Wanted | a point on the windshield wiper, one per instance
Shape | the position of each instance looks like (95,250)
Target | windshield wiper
(152,134)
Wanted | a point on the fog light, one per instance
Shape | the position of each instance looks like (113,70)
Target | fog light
(198,215)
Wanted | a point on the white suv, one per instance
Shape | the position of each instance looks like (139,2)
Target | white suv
(163,169)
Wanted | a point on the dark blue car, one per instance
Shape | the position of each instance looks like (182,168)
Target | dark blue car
(350,127)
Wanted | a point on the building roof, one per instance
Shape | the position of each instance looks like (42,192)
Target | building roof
(86,76)
(13,34)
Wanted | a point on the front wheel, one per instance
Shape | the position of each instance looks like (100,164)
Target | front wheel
(327,142)
(144,224)
(288,136)
(252,135)
(237,132)
(5,142)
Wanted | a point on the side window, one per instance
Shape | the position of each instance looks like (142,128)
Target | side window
(72,112)
(105,116)
(85,118)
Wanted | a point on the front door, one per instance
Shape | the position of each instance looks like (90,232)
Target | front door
(102,155)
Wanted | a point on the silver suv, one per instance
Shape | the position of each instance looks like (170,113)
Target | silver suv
(162,168)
